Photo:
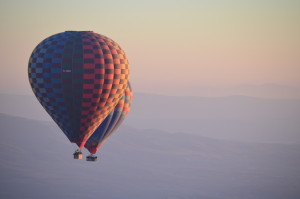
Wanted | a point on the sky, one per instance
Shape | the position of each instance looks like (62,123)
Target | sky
(178,47)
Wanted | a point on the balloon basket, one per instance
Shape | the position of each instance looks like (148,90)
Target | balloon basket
(91,158)
(77,155)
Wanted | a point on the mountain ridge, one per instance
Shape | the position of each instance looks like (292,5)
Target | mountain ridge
(232,118)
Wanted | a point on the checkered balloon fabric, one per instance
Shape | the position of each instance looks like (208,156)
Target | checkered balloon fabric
(78,77)
(111,122)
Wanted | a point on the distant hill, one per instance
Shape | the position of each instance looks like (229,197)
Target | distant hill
(26,106)
(233,118)
(36,163)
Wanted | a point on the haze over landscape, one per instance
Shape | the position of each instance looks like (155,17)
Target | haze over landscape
(215,112)
(36,163)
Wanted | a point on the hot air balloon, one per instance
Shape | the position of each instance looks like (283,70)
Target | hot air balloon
(109,125)
(78,77)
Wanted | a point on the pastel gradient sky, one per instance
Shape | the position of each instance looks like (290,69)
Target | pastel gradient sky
(175,47)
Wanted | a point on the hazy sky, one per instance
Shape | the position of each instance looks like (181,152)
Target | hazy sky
(175,47)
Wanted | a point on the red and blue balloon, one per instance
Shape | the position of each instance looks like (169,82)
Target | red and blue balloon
(81,80)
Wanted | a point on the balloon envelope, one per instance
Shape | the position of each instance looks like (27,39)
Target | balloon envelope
(111,122)
(78,77)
